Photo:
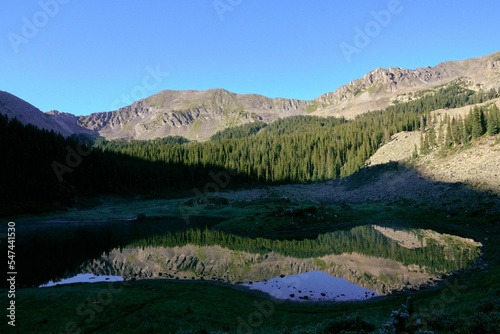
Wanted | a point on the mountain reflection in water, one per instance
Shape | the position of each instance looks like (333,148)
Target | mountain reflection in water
(378,259)
(312,286)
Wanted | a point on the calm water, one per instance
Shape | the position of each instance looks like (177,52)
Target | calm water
(358,263)
(83,278)
(312,286)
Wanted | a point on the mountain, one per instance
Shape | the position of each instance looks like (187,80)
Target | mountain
(63,123)
(378,88)
(376,268)
(197,115)
(192,114)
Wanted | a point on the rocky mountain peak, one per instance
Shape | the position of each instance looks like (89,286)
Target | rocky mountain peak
(378,88)
(197,114)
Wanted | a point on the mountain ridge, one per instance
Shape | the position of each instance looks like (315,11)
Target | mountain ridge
(378,88)
(197,115)
(64,123)
(176,113)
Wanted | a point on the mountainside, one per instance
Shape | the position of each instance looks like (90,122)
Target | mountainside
(63,123)
(378,88)
(197,115)
(475,164)
(192,114)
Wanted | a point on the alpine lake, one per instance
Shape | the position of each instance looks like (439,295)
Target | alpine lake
(351,262)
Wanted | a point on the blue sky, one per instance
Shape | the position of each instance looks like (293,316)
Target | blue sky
(95,55)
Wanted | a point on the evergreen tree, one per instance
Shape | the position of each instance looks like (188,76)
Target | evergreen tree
(493,120)
(477,122)
(414,154)
(432,138)
(448,139)
(294,149)
(424,144)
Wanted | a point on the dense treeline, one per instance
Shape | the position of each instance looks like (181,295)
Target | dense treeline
(42,169)
(295,124)
(119,144)
(26,179)
(460,131)
(435,257)
(241,131)
(306,148)
(279,127)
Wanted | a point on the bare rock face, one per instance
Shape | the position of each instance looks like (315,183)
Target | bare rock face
(384,81)
(69,123)
(192,114)
(378,88)
(197,115)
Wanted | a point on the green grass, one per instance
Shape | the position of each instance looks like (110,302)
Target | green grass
(312,107)
(152,306)
(109,207)
(196,127)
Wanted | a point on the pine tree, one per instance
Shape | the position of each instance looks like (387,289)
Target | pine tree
(457,131)
(424,144)
(431,136)
(477,122)
(414,155)
(448,139)
(467,128)
(493,120)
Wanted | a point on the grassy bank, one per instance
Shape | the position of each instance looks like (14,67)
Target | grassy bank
(467,303)
(154,306)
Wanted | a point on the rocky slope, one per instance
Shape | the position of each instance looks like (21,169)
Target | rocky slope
(192,114)
(476,165)
(197,115)
(378,88)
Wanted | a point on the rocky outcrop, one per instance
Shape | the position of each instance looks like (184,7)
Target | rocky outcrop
(384,81)
(197,115)
(69,123)
(378,88)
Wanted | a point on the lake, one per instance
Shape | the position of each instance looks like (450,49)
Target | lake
(353,264)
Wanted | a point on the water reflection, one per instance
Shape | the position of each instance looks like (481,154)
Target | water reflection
(83,278)
(312,286)
(376,258)
(52,250)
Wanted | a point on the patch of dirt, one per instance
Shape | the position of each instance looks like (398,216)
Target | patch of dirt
(400,148)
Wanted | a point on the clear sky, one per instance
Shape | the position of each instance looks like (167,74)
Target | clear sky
(98,55)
